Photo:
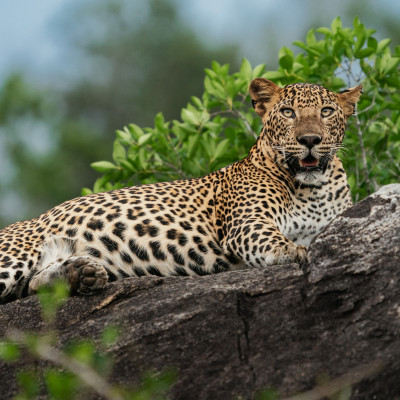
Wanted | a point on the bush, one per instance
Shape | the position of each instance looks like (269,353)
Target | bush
(220,128)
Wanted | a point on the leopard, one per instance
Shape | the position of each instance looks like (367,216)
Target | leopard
(260,211)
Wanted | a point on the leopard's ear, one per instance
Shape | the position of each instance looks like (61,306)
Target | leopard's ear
(263,93)
(349,98)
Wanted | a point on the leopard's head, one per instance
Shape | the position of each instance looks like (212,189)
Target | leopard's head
(304,124)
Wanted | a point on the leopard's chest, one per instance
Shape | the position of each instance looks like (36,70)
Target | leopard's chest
(307,218)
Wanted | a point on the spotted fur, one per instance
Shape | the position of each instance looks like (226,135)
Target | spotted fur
(259,211)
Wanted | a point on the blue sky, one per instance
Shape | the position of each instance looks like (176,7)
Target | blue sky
(25,35)
(27,39)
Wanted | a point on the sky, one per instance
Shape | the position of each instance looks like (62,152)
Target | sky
(25,34)
(27,39)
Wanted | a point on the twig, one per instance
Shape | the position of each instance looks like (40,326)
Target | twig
(394,162)
(368,180)
(86,374)
(341,383)
(237,113)
(176,169)
(357,180)
(246,123)
(370,106)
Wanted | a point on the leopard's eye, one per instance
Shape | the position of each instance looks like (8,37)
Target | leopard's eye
(288,112)
(327,111)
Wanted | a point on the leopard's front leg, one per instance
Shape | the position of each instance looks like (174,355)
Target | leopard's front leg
(260,243)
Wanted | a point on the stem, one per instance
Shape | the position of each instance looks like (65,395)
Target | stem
(370,106)
(394,162)
(246,123)
(85,373)
(369,181)
(357,179)
(237,113)
(176,169)
(339,384)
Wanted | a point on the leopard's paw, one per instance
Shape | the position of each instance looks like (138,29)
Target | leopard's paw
(84,275)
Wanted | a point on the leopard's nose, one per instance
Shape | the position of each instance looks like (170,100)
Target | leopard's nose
(309,140)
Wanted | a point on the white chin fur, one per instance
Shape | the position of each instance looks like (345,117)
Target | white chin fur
(310,177)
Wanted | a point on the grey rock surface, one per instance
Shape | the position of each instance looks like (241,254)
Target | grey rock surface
(232,334)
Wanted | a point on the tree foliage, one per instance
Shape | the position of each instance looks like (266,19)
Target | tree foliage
(132,58)
(220,127)
(39,148)
(135,59)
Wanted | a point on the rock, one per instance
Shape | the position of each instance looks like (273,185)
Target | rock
(232,334)
(363,238)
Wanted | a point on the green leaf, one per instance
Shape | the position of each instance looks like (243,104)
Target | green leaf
(127,165)
(336,25)
(29,381)
(372,43)
(361,36)
(391,64)
(210,73)
(192,144)
(245,69)
(145,138)
(274,75)
(103,166)
(144,156)
(383,44)
(9,351)
(300,44)
(204,117)
(286,58)
(136,131)
(124,136)
(310,38)
(258,70)
(100,183)
(224,71)
(386,63)
(268,394)
(197,102)
(356,22)
(337,83)
(216,66)
(189,117)
(221,149)
(208,144)
(393,81)
(286,62)
(366,52)
(61,385)
(110,336)
(86,191)
(83,351)
(307,48)
(324,31)
(215,88)
(159,122)
(119,153)
(52,297)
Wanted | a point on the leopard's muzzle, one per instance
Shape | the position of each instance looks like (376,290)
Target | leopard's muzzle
(308,164)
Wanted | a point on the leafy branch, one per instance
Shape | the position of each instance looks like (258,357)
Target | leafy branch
(220,127)
(42,349)
(75,368)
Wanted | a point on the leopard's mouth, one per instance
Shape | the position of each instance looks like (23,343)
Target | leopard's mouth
(308,164)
